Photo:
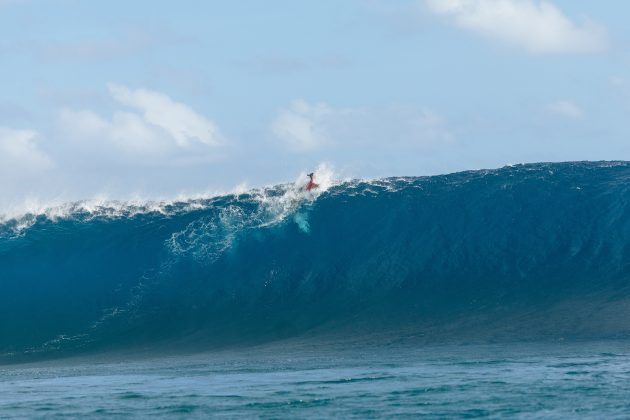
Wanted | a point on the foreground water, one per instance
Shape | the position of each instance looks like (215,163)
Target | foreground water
(560,380)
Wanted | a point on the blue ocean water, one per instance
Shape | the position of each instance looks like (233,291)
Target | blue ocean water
(495,292)
(302,380)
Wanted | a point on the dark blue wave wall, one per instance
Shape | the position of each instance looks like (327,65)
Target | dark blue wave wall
(526,252)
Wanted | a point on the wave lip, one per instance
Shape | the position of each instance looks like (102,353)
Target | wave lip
(524,252)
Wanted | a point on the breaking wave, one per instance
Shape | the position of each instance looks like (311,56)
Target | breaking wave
(526,252)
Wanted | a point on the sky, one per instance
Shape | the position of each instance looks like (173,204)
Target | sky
(160,99)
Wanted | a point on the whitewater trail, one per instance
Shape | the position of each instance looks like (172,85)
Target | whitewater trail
(208,237)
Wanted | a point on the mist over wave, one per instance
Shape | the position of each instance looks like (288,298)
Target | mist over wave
(527,252)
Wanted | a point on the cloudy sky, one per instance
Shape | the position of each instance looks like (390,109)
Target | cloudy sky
(154,99)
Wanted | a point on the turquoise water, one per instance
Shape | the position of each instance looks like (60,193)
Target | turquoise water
(561,380)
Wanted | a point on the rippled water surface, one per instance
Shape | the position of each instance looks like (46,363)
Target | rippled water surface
(559,380)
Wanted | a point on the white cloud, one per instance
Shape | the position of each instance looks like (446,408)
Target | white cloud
(567,109)
(182,123)
(304,127)
(126,131)
(20,154)
(536,25)
(160,125)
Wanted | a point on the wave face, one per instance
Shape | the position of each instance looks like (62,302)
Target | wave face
(535,251)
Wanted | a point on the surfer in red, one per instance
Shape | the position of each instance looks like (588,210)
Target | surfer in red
(311,184)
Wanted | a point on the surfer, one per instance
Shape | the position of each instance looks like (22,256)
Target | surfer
(311,184)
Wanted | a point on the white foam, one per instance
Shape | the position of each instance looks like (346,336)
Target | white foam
(206,238)
(102,205)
